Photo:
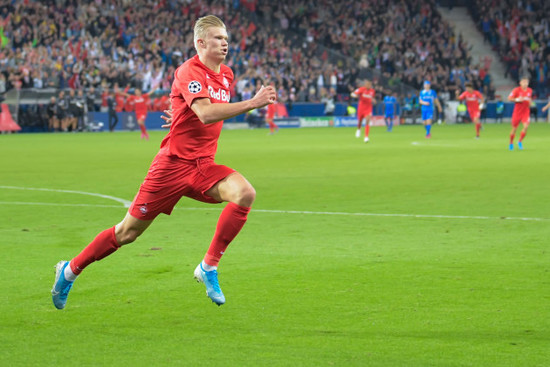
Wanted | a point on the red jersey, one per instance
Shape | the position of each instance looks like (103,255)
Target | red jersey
(365,97)
(271,108)
(104,97)
(189,138)
(521,109)
(120,100)
(141,103)
(473,99)
(161,103)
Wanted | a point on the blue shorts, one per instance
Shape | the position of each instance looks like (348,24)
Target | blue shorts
(389,115)
(427,115)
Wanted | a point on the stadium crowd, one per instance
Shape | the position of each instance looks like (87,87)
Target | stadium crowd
(520,32)
(307,49)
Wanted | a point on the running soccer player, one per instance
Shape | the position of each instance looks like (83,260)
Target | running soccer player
(270,117)
(473,101)
(140,102)
(521,96)
(390,106)
(365,94)
(185,165)
(427,100)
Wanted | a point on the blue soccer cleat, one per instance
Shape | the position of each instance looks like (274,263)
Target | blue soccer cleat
(61,286)
(520,145)
(210,279)
(511,146)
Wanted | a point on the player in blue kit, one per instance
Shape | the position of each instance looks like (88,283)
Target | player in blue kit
(390,107)
(427,100)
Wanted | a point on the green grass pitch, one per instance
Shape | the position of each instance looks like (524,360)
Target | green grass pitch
(400,252)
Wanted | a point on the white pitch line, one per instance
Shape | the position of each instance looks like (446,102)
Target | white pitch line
(389,215)
(59,204)
(126,203)
(385,214)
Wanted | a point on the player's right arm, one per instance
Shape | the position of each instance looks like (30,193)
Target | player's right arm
(513,97)
(209,112)
(423,102)
(546,107)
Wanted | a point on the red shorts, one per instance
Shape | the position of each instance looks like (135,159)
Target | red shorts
(474,114)
(361,114)
(169,178)
(517,119)
(140,116)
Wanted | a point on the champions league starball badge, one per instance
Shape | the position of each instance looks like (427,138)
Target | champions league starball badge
(194,87)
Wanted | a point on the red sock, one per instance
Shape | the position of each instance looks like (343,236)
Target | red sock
(367,129)
(478,128)
(143,129)
(272,126)
(512,136)
(522,135)
(103,245)
(231,221)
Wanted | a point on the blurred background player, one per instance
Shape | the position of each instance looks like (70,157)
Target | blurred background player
(140,104)
(111,110)
(547,106)
(427,100)
(499,109)
(270,117)
(51,110)
(390,106)
(521,96)
(365,94)
(473,100)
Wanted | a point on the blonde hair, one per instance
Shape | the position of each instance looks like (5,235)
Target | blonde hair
(203,24)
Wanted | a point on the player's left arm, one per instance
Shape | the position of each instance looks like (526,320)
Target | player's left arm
(152,92)
(438,104)
(546,107)
(481,99)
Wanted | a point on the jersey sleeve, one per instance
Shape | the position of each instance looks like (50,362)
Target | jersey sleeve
(514,93)
(462,96)
(191,84)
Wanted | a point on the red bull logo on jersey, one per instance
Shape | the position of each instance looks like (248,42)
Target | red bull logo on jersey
(220,94)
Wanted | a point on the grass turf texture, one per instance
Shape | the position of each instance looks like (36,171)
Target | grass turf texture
(303,289)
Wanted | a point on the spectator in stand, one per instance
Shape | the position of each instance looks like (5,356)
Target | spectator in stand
(63,110)
(111,110)
(88,44)
(518,31)
(51,112)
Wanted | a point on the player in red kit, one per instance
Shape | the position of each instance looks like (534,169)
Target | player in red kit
(185,164)
(119,97)
(473,101)
(269,117)
(140,102)
(365,94)
(521,96)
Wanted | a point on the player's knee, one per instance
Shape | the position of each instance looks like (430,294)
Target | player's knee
(246,196)
(127,235)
